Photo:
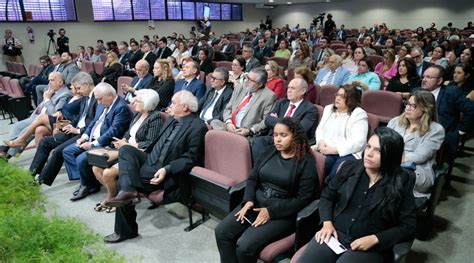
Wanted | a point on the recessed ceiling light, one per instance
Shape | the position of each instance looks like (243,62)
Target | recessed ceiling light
(288,3)
(271,1)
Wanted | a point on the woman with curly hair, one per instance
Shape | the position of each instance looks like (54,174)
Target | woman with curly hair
(282,183)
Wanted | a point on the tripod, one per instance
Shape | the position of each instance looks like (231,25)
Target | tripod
(51,41)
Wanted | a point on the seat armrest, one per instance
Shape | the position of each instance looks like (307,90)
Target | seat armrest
(236,194)
(401,250)
(238,187)
(307,223)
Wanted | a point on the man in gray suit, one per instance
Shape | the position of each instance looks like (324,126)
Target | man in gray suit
(250,61)
(54,99)
(250,103)
(69,70)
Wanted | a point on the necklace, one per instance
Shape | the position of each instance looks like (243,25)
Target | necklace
(371,183)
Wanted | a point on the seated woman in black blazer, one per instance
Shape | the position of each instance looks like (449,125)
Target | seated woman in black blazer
(205,63)
(162,82)
(368,206)
(112,71)
(406,79)
(143,131)
(281,184)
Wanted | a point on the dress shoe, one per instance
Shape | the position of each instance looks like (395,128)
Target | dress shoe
(116,238)
(76,191)
(93,190)
(83,192)
(123,198)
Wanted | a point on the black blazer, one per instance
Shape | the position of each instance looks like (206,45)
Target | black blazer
(90,110)
(206,66)
(162,55)
(302,180)
(112,73)
(337,194)
(230,50)
(185,151)
(124,59)
(220,103)
(165,89)
(135,57)
(148,130)
(150,58)
(306,113)
(450,103)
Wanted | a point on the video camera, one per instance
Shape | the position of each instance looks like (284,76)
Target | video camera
(319,18)
(51,33)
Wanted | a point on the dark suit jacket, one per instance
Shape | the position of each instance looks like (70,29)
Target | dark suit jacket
(90,110)
(253,63)
(338,193)
(220,103)
(196,86)
(163,54)
(185,151)
(148,131)
(206,66)
(115,124)
(306,113)
(143,84)
(230,50)
(450,103)
(135,57)
(165,89)
(302,183)
(124,59)
(150,58)
(262,52)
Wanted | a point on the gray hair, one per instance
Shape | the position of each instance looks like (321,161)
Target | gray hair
(300,83)
(150,98)
(454,38)
(224,72)
(144,63)
(57,73)
(262,75)
(188,99)
(83,78)
(248,47)
(418,49)
(338,59)
(104,88)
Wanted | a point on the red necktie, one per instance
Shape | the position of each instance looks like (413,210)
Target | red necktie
(290,112)
(242,104)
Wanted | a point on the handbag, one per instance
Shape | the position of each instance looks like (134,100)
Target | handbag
(10,49)
(103,158)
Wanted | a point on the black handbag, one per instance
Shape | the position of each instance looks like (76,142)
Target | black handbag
(103,158)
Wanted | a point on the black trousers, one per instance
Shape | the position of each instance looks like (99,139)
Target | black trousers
(134,175)
(52,147)
(242,243)
(315,252)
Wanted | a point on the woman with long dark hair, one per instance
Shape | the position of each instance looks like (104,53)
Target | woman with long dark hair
(463,79)
(406,79)
(282,183)
(368,207)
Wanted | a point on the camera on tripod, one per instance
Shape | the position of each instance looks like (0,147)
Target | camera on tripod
(51,33)
(319,18)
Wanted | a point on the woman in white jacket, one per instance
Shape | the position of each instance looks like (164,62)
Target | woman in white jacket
(342,132)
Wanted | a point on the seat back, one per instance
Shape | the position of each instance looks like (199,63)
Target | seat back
(320,112)
(123,80)
(6,85)
(326,96)
(202,76)
(337,46)
(103,57)
(280,61)
(87,66)
(98,68)
(320,169)
(384,104)
(228,154)
(32,70)
(376,59)
(224,64)
(15,88)
(374,122)
(291,74)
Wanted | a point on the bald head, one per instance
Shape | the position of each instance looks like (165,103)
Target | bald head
(296,90)
(141,68)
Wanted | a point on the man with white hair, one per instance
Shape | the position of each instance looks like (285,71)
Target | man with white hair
(178,148)
(335,74)
(111,121)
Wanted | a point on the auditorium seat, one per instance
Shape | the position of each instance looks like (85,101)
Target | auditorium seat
(123,80)
(98,68)
(280,61)
(386,105)
(219,186)
(326,96)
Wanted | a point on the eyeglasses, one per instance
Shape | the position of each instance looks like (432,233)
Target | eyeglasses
(251,80)
(342,95)
(213,78)
(410,105)
(430,77)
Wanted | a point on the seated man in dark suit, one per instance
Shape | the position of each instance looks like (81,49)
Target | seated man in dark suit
(48,169)
(293,106)
(250,61)
(179,147)
(227,52)
(135,55)
(140,81)
(149,56)
(318,53)
(163,50)
(450,103)
(262,50)
(191,82)
(124,55)
(211,106)
(248,106)
(111,121)
(417,54)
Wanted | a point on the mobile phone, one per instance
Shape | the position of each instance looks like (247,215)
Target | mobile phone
(250,216)
(336,246)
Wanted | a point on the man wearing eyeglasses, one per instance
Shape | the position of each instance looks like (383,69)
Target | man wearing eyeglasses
(450,104)
(211,106)
(421,65)
(250,103)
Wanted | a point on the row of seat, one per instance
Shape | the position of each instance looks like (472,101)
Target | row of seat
(15,69)
(13,100)
(89,66)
